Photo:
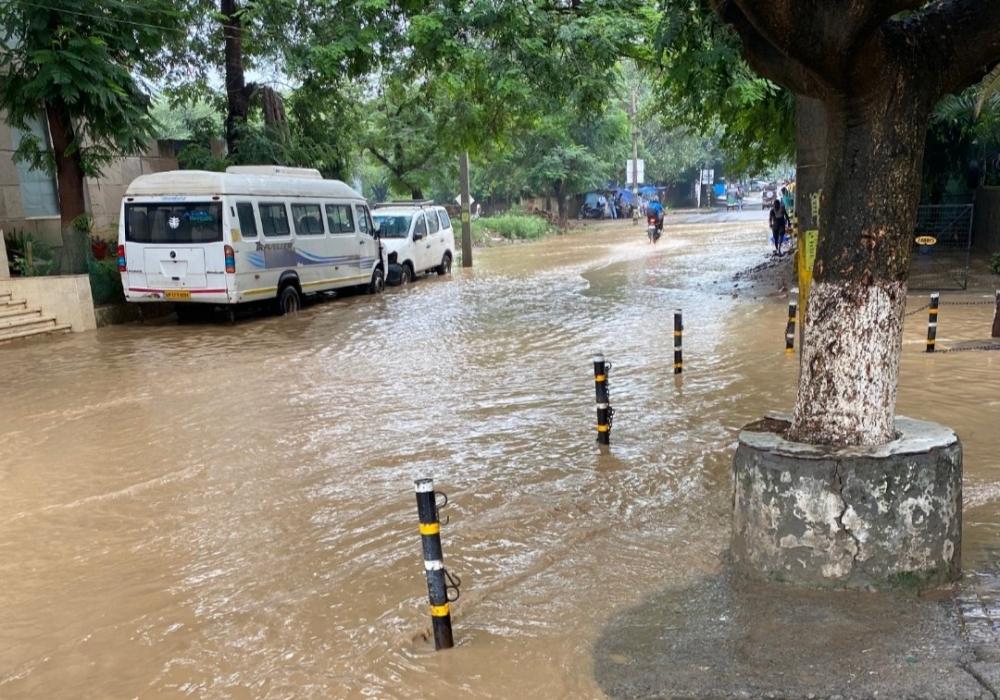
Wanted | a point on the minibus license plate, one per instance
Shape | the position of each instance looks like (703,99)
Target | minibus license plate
(177,294)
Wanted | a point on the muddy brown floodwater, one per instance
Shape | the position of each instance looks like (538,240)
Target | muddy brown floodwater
(214,511)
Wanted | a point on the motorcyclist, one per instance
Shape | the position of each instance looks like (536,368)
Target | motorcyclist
(654,208)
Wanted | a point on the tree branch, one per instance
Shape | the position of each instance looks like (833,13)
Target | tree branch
(768,59)
(384,161)
(957,40)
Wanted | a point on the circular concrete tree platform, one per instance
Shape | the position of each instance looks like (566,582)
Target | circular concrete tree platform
(851,517)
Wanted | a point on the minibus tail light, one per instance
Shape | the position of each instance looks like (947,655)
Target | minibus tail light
(230,260)
(121,259)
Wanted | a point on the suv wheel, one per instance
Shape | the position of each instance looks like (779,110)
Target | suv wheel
(405,274)
(445,267)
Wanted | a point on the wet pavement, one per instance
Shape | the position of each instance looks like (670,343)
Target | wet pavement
(227,511)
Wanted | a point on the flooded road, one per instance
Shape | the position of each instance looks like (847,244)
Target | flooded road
(227,511)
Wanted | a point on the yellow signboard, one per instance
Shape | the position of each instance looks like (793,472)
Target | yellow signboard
(808,242)
(926,240)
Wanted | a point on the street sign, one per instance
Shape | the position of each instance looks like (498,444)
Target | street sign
(707,176)
(628,171)
(458,200)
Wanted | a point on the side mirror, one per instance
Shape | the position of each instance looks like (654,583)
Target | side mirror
(417,235)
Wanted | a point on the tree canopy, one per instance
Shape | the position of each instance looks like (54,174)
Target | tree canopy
(83,65)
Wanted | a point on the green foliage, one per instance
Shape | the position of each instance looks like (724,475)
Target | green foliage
(512,226)
(963,138)
(704,84)
(105,281)
(479,76)
(193,120)
(198,156)
(28,256)
(86,59)
(995,263)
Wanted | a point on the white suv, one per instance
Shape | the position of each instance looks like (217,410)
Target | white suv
(417,236)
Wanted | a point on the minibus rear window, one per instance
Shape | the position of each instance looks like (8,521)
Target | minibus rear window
(164,222)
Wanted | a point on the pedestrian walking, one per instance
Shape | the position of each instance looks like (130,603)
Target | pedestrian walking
(787,200)
(779,223)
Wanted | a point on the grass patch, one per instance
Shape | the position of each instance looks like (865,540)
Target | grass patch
(512,226)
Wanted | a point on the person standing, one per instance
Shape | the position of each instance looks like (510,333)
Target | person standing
(778,220)
(787,200)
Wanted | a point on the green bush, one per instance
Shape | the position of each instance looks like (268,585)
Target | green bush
(105,281)
(513,226)
(995,263)
(41,260)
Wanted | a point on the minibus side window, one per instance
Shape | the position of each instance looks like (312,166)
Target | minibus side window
(339,219)
(274,218)
(419,227)
(432,222)
(248,224)
(364,220)
(308,220)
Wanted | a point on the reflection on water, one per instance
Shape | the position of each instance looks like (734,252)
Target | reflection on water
(227,511)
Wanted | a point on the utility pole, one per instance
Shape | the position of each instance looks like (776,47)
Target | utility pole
(463,169)
(635,157)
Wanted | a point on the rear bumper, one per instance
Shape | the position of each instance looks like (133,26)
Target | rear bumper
(197,296)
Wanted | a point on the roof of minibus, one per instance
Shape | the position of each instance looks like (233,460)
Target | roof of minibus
(202,182)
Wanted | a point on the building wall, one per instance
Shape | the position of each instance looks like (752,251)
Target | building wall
(103,195)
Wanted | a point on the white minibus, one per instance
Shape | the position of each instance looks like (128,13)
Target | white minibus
(248,234)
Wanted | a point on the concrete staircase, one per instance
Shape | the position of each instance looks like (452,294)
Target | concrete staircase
(18,320)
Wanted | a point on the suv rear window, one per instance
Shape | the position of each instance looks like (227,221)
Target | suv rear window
(445,219)
(162,222)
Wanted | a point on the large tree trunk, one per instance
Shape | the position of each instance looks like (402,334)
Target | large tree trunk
(273,107)
(850,358)
(810,156)
(237,96)
(69,180)
(560,192)
(810,169)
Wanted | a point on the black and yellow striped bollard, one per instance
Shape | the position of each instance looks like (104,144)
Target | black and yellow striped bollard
(430,539)
(932,321)
(601,367)
(793,310)
(678,336)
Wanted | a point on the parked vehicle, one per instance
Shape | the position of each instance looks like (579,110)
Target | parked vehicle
(767,198)
(653,228)
(592,207)
(252,233)
(418,237)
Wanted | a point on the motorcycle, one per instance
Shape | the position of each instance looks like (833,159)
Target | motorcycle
(653,229)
